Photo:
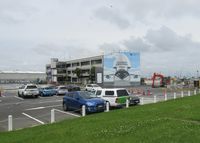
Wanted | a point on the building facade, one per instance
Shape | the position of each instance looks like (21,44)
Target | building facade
(111,70)
(67,71)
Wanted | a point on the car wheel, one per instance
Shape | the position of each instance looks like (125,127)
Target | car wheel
(22,95)
(36,96)
(65,108)
(18,94)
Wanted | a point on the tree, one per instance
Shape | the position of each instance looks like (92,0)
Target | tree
(78,73)
(92,74)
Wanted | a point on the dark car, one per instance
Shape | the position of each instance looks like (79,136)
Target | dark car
(73,88)
(75,100)
(48,91)
(134,100)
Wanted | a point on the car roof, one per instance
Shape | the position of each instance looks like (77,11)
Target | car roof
(112,89)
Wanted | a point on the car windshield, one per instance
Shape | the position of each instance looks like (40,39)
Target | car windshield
(63,87)
(94,85)
(87,95)
(31,87)
(122,93)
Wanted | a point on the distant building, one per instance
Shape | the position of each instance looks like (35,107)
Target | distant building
(114,69)
(21,76)
(64,71)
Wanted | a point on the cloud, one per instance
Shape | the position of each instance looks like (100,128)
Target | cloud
(161,40)
(15,11)
(137,44)
(112,16)
(142,9)
(165,39)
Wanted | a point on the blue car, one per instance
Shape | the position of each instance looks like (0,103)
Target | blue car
(47,91)
(75,100)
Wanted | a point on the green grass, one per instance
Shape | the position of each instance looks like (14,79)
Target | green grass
(171,121)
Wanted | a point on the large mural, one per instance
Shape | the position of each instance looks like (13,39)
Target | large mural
(121,68)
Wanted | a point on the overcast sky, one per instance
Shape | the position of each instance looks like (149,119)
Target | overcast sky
(166,33)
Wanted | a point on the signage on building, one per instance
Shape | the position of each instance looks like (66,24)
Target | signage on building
(122,68)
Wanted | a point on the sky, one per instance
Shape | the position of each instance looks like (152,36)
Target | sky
(166,33)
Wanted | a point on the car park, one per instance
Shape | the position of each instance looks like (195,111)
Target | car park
(75,100)
(29,90)
(92,87)
(115,96)
(47,91)
(61,90)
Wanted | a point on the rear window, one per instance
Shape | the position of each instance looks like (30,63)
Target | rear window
(122,93)
(31,87)
(98,92)
(63,87)
(109,93)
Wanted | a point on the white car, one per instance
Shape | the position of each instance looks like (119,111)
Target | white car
(61,90)
(28,90)
(92,87)
(115,96)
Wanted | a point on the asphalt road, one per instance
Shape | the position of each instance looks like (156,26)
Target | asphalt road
(30,112)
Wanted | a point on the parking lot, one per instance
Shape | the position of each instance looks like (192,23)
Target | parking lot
(30,112)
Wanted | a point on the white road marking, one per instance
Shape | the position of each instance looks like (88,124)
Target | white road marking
(38,108)
(49,101)
(67,113)
(19,98)
(33,118)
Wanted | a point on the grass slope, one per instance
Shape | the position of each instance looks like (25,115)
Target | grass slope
(171,121)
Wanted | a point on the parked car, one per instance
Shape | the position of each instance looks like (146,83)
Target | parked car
(92,87)
(29,90)
(75,100)
(73,88)
(61,90)
(134,100)
(48,91)
(116,96)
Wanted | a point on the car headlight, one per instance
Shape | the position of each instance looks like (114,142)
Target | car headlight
(90,104)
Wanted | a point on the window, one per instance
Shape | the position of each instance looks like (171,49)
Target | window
(109,93)
(98,92)
(122,93)
(31,87)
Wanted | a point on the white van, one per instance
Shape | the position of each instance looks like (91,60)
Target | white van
(115,96)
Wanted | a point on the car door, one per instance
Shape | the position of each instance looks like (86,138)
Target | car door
(76,101)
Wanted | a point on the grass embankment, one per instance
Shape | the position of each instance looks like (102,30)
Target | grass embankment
(171,121)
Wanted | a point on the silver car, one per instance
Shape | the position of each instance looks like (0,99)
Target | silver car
(29,90)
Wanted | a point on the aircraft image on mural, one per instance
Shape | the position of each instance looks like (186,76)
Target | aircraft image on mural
(122,68)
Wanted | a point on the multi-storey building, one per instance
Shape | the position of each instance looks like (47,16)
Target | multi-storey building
(65,71)
(114,69)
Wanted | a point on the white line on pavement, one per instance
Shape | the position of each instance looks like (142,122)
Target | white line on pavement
(33,118)
(38,108)
(19,98)
(50,101)
(67,113)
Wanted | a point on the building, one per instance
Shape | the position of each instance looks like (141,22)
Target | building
(114,69)
(65,71)
(21,76)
